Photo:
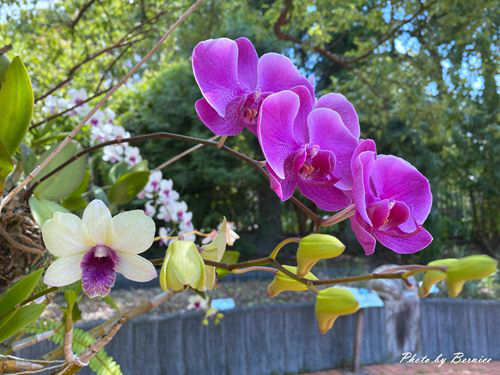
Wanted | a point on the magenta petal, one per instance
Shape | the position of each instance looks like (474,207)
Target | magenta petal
(366,240)
(396,179)
(379,212)
(364,145)
(276,72)
(400,213)
(284,188)
(361,171)
(344,108)
(275,129)
(98,273)
(328,132)
(228,125)
(215,68)
(404,244)
(300,130)
(325,196)
(247,64)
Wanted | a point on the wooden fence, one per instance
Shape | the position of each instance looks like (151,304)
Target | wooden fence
(283,338)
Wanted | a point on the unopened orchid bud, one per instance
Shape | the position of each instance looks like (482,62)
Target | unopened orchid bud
(313,248)
(473,267)
(332,303)
(182,266)
(283,282)
(434,276)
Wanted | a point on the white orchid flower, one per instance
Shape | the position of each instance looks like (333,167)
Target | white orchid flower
(97,246)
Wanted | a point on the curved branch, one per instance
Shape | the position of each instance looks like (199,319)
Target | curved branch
(164,135)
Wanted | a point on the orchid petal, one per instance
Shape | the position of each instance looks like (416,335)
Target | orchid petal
(64,271)
(132,232)
(247,63)
(344,108)
(300,130)
(403,244)
(361,170)
(135,267)
(328,132)
(223,126)
(64,235)
(364,237)
(394,178)
(325,196)
(96,220)
(215,68)
(276,73)
(275,129)
(284,188)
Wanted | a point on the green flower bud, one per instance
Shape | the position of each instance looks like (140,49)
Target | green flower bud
(433,277)
(332,303)
(473,267)
(282,282)
(182,266)
(4,65)
(313,248)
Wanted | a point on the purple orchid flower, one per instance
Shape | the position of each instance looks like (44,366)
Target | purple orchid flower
(234,81)
(392,200)
(309,146)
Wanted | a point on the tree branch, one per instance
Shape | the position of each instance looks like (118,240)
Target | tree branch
(164,135)
(285,17)
(81,12)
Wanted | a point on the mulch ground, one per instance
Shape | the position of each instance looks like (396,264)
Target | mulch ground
(492,368)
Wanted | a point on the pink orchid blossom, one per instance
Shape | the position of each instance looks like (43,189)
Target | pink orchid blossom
(392,200)
(309,146)
(234,81)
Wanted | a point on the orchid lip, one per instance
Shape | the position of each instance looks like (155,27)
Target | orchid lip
(99,270)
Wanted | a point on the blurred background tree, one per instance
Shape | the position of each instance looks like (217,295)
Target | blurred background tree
(421,74)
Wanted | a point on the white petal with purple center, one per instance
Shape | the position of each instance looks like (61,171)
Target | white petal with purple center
(64,271)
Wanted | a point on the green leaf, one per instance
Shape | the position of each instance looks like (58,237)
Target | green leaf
(16,105)
(117,170)
(127,187)
(23,317)
(66,181)
(28,158)
(43,209)
(229,257)
(75,201)
(6,165)
(18,292)
(99,193)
